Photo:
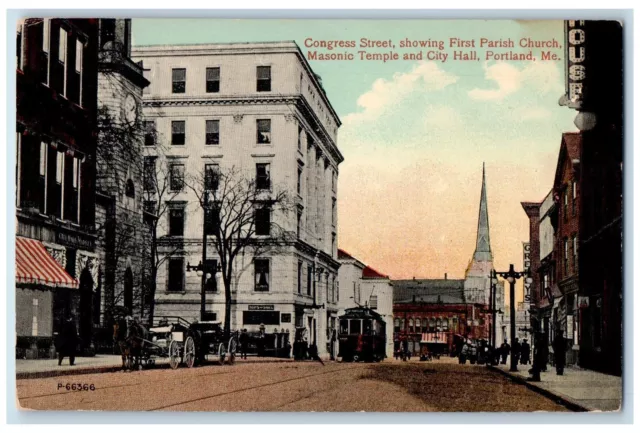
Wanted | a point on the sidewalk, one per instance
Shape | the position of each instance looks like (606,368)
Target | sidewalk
(41,368)
(577,388)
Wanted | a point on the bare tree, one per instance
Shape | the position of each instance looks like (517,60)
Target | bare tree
(158,194)
(242,215)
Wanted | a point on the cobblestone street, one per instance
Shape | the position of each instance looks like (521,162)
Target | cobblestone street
(390,386)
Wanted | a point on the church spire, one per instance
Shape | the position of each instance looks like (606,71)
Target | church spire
(483,244)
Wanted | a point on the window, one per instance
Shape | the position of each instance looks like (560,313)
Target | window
(425,324)
(263,176)
(411,328)
(130,189)
(299,277)
(264,131)
(299,226)
(62,57)
(396,325)
(263,221)
(445,324)
(333,211)
(309,279)
(212,220)
(46,47)
(176,179)
(149,174)
(418,324)
(178,80)
(176,221)
(43,159)
(212,135)
(299,180)
(176,275)
(264,78)
(20,46)
(213,80)
(333,181)
(150,206)
(373,304)
(300,138)
(59,167)
(356,292)
(211,176)
(574,196)
(432,324)
(210,267)
(177,132)
(566,257)
(566,205)
(574,242)
(79,50)
(338,291)
(355,326)
(438,325)
(261,273)
(149,133)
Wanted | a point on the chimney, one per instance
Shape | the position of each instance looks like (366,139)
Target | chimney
(445,275)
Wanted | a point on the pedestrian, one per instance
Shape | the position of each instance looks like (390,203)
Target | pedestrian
(517,348)
(244,337)
(544,349)
(396,354)
(464,352)
(504,351)
(67,341)
(559,351)
(525,352)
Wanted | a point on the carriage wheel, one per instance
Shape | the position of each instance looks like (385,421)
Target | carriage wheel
(174,354)
(189,356)
(355,358)
(232,350)
(222,353)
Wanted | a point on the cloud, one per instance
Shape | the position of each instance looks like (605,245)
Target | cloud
(540,76)
(384,94)
(530,113)
(441,117)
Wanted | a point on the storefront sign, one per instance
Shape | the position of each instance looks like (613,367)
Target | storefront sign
(261,308)
(575,36)
(74,241)
(526,249)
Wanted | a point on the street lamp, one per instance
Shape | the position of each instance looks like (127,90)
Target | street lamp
(204,273)
(511,276)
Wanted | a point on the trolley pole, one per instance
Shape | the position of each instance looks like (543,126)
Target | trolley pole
(203,293)
(511,276)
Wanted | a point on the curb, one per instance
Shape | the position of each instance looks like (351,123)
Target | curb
(114,368)
(565,401)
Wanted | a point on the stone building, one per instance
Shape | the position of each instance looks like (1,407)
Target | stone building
(257,108)
(119,204)
(56,259)
(361,285)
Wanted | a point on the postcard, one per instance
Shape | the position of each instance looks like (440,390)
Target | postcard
(318,215)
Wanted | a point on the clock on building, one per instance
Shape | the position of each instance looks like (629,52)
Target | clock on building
(130,108)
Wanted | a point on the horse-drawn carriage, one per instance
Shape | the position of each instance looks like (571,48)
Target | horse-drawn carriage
(177,339)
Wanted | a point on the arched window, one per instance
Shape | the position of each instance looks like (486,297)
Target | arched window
(130,189)
(445,324)
(454,323)
(418,326)
(425,324)
(438,325)
(432,324)
(402,323)
(410,325)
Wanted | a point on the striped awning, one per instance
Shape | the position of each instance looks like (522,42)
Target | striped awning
(34,265)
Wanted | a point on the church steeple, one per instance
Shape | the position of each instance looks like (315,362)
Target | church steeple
(483,243)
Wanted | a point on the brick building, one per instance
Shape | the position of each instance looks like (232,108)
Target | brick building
(595,48)
(56,262)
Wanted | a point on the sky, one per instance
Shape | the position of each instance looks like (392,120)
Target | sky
(415,134)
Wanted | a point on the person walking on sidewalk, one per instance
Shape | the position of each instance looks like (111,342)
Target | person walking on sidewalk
(244,337)
(559,352)
(525,352)
(67,341)
(504,351)
(517,348)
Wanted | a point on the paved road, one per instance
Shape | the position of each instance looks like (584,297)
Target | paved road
(390,386)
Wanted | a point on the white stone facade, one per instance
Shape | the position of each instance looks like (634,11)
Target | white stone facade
(303,159)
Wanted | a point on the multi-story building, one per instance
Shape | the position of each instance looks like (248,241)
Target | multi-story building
(566,190)
(56,262)
(361,285)
(260,110)
(119,198)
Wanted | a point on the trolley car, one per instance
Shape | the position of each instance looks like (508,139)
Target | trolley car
(362,335)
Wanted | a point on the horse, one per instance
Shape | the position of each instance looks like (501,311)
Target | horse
(130,337)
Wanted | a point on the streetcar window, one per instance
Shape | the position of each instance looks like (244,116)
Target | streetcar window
(344,326)
(355,326)
(367,327)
